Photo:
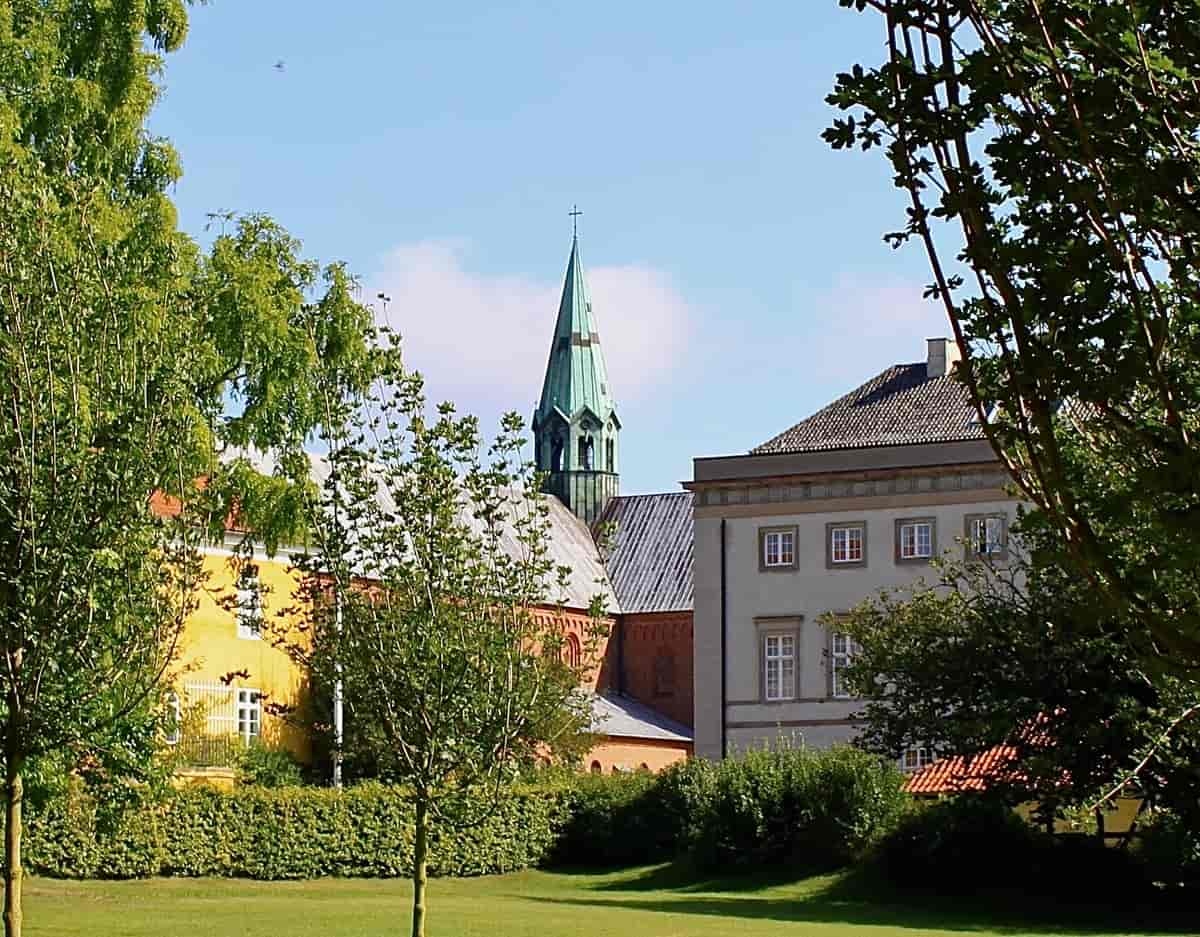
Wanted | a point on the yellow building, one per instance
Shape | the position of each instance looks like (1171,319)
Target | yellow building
(231,684)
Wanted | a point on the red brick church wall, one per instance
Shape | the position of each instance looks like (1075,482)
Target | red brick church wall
(657,652)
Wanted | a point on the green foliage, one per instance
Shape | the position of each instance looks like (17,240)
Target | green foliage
(287,833)
(261,766)
(1047,154)
(809,809)
(613,820)
(1169,846)
(970,844)
(1029,656)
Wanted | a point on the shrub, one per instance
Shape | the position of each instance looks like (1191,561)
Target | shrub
(268,767)
(815,809)
(611,821)
(285,833)
(1169,848)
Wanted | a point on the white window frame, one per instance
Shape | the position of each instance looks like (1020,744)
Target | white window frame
(915,758)
(847,541)
(841,654)
(784,542)
(249,604)
(249,713)
(992,542)
(779,658)
(910,540)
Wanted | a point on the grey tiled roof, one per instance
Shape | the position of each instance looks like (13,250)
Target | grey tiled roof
(901,406)
(622,717)
(650,551)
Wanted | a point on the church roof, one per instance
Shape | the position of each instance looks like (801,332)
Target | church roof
(576,375)
(650,551)
(900,406)
(621,717)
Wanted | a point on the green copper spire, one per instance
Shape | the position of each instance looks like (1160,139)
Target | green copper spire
(576,426)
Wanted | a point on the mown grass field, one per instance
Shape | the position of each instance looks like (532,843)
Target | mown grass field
(631,903)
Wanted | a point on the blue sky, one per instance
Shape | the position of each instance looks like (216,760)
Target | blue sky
(735,261)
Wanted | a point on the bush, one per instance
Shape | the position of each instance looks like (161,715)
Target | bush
(260,766)
(814,809)
(1169,849)
(286,833)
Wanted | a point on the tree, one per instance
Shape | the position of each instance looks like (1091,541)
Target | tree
(422,599)
(128,361)
(1023,655)
(1050,154)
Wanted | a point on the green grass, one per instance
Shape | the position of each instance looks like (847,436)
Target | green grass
(650,902)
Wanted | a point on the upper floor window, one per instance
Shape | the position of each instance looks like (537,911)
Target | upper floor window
(986,536)
(777,548)
(779,666)
(610,456)
(846,544)
(249,603)
(585,453)
(914,539)
(915,758)
(249,714)
(841,653)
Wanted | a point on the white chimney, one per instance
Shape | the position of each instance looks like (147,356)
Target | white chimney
(943,352)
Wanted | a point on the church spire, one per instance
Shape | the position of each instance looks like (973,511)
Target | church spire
(575,426)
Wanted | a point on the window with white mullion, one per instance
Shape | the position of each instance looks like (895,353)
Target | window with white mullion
(847,544)
(841,653)
(916,540)
(249,714)
(249,604)
(779,666)
(779,548)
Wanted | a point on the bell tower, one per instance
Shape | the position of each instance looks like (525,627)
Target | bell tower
(576,432)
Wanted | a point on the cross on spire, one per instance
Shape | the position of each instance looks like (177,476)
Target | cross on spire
(575,213)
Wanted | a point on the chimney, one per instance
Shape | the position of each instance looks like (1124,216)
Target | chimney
(943,352)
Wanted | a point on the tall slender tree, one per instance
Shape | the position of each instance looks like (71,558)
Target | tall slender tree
(128,361)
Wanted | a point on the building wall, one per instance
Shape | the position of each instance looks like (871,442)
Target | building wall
(658,662)
(792,600)
(621,754)
(212,655)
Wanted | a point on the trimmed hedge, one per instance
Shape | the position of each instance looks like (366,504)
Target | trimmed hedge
(287,833)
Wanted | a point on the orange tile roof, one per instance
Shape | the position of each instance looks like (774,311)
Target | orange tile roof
(965,772)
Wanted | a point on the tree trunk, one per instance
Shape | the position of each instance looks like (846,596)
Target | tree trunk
(420,857)
(13,794)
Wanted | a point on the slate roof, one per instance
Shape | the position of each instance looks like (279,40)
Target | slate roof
(898,407)
(621,717)
(650,551)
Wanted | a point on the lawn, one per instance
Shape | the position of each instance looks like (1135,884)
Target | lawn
(631,903)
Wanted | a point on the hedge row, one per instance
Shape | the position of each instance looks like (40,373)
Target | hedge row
(288,833)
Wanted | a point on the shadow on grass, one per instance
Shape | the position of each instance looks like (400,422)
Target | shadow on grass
(862,898)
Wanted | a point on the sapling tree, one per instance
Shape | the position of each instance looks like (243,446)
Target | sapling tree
(430,595)
(1049,156)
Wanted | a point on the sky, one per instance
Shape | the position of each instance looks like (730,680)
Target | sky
(736,262)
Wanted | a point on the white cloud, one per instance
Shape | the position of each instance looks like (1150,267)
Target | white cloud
(860,328)
(482,340)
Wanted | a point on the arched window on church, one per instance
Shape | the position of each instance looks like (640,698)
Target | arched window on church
(585,453)
(572,653)
(610,456)
(556,452)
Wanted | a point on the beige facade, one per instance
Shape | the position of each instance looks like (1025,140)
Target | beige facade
(763,662)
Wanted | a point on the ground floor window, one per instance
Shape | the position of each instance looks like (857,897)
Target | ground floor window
(249,714)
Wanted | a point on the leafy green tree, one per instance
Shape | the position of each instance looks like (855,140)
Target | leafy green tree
(427,598)
(1050,155)
(1025,655)
(128,361)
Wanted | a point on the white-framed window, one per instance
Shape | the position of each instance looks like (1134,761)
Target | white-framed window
(779,666)
(916,540)
(846,544)
(249,603)
(779,548)
(174,728)
(985,535)
(841,653)
(249,714)
(915,758)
